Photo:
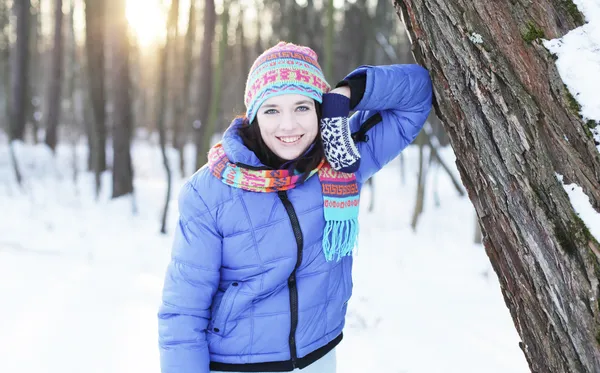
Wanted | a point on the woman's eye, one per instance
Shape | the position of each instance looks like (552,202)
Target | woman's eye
(303,108)
(271,111)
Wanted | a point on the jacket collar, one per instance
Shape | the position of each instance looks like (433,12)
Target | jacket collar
(235,149)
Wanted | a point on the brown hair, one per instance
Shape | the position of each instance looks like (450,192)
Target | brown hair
(250,135)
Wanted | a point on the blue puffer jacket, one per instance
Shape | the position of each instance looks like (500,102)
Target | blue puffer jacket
(248,287)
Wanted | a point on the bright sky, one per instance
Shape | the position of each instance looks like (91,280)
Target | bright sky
(148,18)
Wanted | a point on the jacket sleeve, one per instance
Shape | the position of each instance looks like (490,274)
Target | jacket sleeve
(191,280)
(403,95)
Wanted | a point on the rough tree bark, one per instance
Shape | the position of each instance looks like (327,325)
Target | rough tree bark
(123,118)
(205,79)
(54,87)
(508,116)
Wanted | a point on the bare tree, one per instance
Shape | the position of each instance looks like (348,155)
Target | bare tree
(176,86)
(244,53)
(123,118)
(56,71)
(508,113)
(421,181)
(258,46)
(5,65)
(95,13)
(188,53)
(73,75)
(36,64)
(205,80)
(215,102)
(172,33)
(329,45)
(19,71)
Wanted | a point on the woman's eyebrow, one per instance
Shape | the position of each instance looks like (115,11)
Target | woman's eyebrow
(303,102)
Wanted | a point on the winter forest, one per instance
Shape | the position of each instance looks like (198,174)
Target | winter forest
(479,246)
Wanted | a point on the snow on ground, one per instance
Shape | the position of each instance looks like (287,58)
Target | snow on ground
(578,62)
(81,280)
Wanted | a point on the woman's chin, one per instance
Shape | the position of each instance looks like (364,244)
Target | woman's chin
(290,154)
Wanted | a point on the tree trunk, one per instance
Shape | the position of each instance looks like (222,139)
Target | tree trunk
(36,74)
(54,87)
(5,66)
(314,27)
(258,45)
(421,180)
(205,79)
(176,70)
(172,33)
(95,12)
(123,119)
(160,115)
(507,114)
(72,73)
(244,52)
(329,45)
(15,163)
(215,102)
(162,135)
(190,39)
(19,70)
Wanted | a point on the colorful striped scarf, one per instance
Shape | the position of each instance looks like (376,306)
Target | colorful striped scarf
(340,196)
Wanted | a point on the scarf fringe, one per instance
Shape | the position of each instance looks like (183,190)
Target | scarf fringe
(339,239)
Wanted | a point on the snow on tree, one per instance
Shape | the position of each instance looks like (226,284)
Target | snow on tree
(521,137)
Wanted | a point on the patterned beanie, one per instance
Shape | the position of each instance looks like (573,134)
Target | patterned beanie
(283,69)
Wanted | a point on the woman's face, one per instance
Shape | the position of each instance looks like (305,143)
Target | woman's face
(288,124)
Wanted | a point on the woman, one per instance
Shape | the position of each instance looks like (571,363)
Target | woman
(260,275)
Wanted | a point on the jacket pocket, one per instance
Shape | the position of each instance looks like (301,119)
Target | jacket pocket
(221,315)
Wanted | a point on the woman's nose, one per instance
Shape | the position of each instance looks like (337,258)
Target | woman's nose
(288,122)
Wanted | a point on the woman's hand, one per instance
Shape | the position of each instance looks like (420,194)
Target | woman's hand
(340,150)
(344,91)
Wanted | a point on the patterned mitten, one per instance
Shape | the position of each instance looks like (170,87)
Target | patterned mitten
(340,150)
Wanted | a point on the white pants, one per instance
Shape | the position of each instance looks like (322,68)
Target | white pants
(326,364)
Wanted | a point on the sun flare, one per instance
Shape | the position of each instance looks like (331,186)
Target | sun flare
(147,19)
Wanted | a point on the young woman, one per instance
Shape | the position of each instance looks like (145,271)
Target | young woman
(260,275)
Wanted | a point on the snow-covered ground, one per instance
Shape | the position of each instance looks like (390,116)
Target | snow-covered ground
(81,280)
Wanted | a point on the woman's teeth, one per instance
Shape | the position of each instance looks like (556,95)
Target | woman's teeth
(289,139)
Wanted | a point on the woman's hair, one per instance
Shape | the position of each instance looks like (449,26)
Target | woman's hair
(250,134)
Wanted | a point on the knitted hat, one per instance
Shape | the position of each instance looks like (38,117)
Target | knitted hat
(283,69)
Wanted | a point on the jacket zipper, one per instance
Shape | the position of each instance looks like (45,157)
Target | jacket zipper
(289,208)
